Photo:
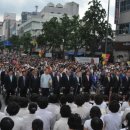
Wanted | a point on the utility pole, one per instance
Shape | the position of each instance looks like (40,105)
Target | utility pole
(107,27)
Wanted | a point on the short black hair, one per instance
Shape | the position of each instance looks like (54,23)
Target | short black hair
(65,111)
(63,100)
(37,124)
(114,106)
(6,123)
(42,102)
(95,112)
(114,97)
(12,108)
(70,98)
(34,97)
(98,99)
(32,107)
(75,122)
(53,98)
(23,102)
(86,97)
(96,123)
(79,100)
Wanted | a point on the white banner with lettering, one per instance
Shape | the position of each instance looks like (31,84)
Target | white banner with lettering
(84,60)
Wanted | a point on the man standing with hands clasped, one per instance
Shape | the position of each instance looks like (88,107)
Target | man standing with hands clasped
(45,82)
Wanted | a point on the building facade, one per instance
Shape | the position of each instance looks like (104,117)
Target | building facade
(32,22)
(122,21)
(9,24)
(1,31)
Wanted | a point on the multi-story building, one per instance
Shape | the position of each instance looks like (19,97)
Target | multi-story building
(122,21)
(1,31)
(32,22)
(9,25)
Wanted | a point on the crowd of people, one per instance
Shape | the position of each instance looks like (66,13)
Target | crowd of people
(53,94)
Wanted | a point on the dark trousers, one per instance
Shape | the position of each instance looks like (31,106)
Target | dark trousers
(45,92)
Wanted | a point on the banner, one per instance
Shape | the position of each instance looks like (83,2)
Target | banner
(105,58)
(83,60)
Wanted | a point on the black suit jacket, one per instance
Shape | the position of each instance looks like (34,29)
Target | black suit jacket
(86,83)
(34,82)
(21,84)
(10,85)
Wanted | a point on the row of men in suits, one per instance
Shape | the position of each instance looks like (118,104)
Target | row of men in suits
(63,80)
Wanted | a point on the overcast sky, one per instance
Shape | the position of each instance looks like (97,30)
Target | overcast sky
(17,6)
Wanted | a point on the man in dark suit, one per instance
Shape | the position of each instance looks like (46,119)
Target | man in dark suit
(34,82)
(86,81)
(116,82)
(23,83)
(107,83)
(10,83)
(126,83)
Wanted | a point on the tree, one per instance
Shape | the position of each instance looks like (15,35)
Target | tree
(25,40)
(95,25)
(76,35)
(14,40)
(51,33)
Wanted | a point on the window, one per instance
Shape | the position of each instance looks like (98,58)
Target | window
(124,5)
(123,28)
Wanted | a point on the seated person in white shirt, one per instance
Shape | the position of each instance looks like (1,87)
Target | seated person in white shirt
(53,106)
(61,124)
(81,110)
(46,116)
(70,101)
(23,103)
(6,124)
(99,103)
(113,120)
(75,122)
(87,103)
(27,120)
(12,110)
(37,124)
(127,120)
(94,112)
(2,115)
(96,123)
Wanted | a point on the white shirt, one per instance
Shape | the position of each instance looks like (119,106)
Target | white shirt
(47,118)
(23,112)
(72,105)
(112,121)
(127,110)
(88,105)
(45,81)
(82,111)
(61,124)
(27,121)
(124,106)
(2,115)
(18,123)
(55,109)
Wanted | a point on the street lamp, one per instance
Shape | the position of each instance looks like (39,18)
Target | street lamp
(107,27)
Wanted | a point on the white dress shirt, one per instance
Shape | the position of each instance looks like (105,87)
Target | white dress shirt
(112,121)
(72,105)
(2,115)
(47,118)
(61,124)
(23,112)
(88,105)
(55,109)
(82,111)
(18,123)
(124,106)
(27,121)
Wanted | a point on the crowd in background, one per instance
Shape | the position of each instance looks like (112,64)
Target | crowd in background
(62,94)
